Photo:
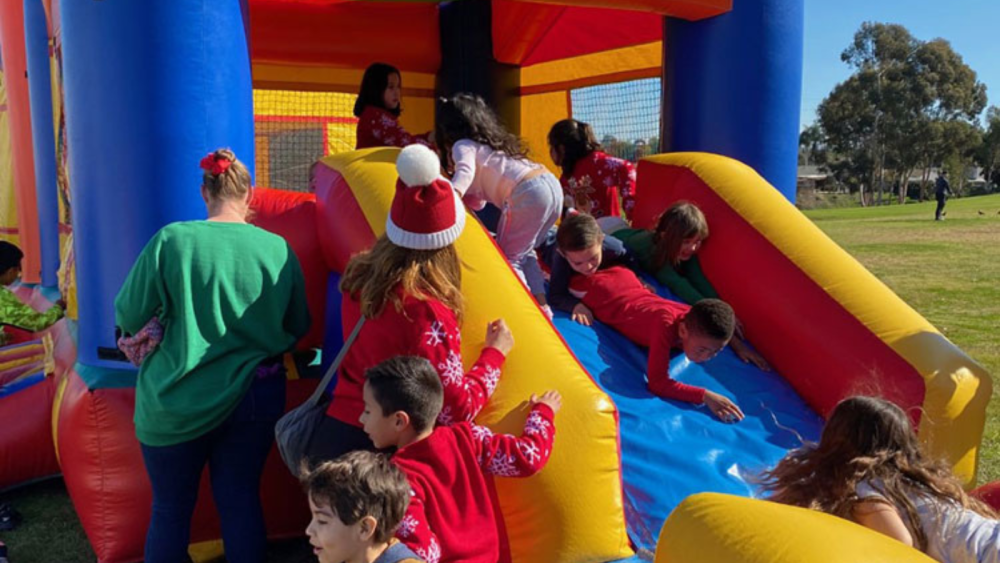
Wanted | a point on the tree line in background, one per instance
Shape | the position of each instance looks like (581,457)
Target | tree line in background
(910,107)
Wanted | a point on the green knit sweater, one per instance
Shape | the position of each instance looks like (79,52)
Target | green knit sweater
(229,295)
(687,281)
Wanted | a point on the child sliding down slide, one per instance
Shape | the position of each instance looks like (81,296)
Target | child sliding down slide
(616,297)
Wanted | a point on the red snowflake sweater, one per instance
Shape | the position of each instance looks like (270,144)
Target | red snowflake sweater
(451,517)
(425,328)
(378,127)
(618,299)
(597,181)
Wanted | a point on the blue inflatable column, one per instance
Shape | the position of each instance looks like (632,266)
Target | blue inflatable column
(150,88)
(733,86)
(36,49)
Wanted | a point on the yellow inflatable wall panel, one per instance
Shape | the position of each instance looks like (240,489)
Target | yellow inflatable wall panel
(572,511)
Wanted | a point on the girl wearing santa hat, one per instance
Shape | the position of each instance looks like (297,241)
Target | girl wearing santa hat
(408,288)
(491,165)
(378,107)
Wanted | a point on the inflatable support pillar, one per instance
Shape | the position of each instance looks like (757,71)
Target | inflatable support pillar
(14,70)
(36,48)
(733,86)
(150,88)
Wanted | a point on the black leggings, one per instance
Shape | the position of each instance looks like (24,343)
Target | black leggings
(334,438)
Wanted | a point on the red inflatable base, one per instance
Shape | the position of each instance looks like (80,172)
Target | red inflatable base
(990,494)
(103,469)
(26,450)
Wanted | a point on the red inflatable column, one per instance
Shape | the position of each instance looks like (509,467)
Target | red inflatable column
(15,75)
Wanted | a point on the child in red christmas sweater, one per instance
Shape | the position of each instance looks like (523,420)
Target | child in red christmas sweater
(408,287)
(378,107)
(451,516)
(617,297)
(593,181)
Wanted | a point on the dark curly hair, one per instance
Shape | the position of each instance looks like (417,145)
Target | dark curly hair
(467,116)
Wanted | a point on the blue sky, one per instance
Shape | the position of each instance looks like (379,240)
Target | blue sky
(971,26)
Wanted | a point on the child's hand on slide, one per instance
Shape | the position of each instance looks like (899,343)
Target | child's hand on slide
(582,314)
(749,355)
(499,336)
(551,398)
(722,407)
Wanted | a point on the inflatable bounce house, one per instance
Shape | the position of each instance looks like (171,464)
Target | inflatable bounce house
(106,108)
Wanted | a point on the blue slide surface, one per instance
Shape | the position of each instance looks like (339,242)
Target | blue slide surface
(670,449)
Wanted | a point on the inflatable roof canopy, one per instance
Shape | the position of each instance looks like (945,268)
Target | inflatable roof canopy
(348,33)
(554,46)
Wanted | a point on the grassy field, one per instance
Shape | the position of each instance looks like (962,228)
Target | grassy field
(948,271)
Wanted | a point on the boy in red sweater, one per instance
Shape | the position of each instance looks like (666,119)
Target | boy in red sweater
(451,517)
(616,297)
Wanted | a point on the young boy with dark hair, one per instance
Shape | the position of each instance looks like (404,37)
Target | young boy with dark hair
(451,517)
(357,502)
(13,311)
(594,251)
(619,299)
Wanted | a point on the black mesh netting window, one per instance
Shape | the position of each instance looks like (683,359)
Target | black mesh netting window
(294,129)
(625,116)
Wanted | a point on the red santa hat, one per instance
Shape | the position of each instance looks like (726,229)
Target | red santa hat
(426,212)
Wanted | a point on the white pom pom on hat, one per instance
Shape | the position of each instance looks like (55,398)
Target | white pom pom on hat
(426,213)
(418,165)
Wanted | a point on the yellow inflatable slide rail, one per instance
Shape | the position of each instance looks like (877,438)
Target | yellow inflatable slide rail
(572,511)
(717,528)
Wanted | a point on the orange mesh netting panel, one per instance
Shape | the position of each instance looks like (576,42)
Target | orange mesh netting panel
(294,129)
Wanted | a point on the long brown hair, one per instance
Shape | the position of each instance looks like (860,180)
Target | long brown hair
(373,276)
(576,139)
(866,440)
(683,220)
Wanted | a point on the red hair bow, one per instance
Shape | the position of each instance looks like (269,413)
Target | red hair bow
(215,164)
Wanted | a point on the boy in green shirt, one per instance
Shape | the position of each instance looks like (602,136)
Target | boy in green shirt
(13,311)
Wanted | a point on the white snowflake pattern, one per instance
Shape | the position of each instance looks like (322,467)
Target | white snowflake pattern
(432,554)
(491,378)
(536,424)
(481,433)
(407,526)
(451,370)
(529,451)
(631,174)
(503,465)
(445,417)
(387,121)
(436,334)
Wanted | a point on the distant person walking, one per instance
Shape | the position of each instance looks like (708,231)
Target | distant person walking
(941,191)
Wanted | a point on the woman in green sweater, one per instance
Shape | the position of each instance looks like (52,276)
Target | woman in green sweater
(671,251)
(231,299)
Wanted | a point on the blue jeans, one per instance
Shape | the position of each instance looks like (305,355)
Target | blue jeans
(235,452)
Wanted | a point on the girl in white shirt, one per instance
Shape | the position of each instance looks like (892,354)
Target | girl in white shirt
(491,165)
(868,467)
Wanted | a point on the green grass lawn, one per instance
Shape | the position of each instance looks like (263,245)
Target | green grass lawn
(948,271)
